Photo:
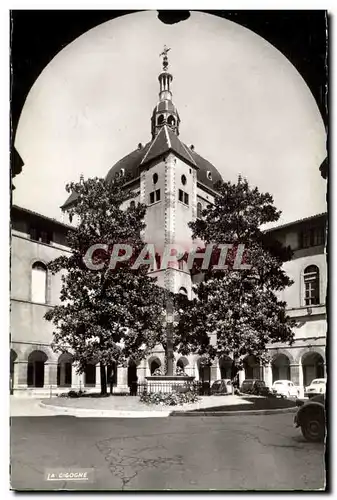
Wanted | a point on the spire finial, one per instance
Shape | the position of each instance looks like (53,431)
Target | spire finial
(165,59)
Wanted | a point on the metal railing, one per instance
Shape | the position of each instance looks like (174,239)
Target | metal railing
(201,388)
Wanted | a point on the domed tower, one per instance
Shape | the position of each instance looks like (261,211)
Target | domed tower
(165,113)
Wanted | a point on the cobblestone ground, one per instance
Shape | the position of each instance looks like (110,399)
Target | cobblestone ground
(179,453)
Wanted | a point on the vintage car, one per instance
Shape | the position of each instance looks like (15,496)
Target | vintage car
(223,386)
(311,418)
(317,386)
(254,386)
(285,388)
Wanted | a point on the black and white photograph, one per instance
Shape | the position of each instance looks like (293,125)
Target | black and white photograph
(169,250)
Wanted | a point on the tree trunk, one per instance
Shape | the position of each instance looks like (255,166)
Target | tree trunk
(103,380)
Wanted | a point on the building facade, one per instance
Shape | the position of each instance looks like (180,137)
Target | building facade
(175,183)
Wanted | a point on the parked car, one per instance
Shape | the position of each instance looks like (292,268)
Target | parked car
(254,386)
(285,388)
(317,386)
(223,386)
(311,418)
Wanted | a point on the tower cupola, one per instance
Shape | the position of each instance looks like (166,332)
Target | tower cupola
(165,113)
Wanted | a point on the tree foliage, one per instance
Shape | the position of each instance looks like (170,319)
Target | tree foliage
(109,314)
(237,312)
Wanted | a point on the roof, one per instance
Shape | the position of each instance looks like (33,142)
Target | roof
(165,105)
(16,208)
(166,140)
(298,221)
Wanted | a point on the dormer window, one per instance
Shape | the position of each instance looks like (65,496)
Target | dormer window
(160,120)
(209,175)
(122,172)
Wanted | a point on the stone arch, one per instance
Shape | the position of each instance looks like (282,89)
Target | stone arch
(286,353)
(310,349)
(204,370)
(154,364)
(226,366)
(182,363)
(280,367)
(252,367)
(36,368)
(171,121)
(51,355)
(160,119)
(312,366)
(64,370)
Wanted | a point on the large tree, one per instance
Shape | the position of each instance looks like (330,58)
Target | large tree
(236,311)
(106,314)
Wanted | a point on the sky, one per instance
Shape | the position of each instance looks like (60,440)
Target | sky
(242,104)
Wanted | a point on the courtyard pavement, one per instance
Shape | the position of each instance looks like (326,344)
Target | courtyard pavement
(264,452)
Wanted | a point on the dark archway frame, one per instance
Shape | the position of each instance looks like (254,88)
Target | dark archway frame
(36,38)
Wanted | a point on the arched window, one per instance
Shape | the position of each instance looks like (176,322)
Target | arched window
(171,121)
(39,283)
(160,119)
(155,364)
(199,210)
(183,291)
(132,204)
(311,285)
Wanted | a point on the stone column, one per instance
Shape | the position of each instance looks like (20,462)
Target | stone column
(20,375)
(300,377)
(268,375)
(77,379)
(141,371)
(218,371)
(98,377)
(122,379)
(50,375)
(241,376)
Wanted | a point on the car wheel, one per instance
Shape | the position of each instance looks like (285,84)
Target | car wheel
(313,429)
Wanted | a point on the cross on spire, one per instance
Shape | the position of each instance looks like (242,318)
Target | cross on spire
(165,59)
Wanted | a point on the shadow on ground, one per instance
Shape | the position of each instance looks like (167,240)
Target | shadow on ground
(256,403)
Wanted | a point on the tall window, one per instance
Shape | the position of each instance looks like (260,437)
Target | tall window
(311,285)
(39,283)
(199,210)
(154,196)
(183,197)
